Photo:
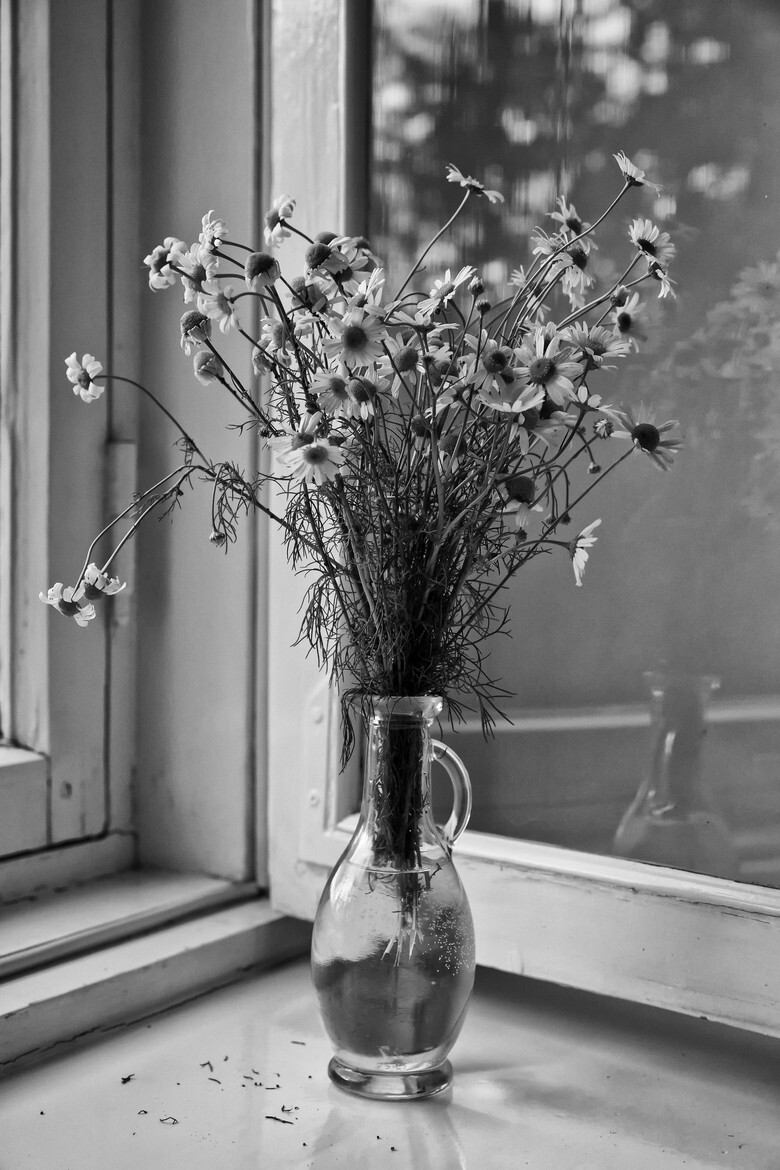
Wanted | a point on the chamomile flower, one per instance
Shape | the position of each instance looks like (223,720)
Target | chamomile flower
(275,230)
(357,341)
(647,436)
(456,176)
(317,462)
(519,493)
(207,367)
(444,289)
(332,395)
(81,374)
(632,174)
(161,275)
(197,268)
(326,258)
(213,231)
(654,244)
(593,343)
(541,363)
(195,330)
(568,217)
(578,550)
(261,271)
(217,303)
(293,438)
(65,600)
(624,320)
(98,584)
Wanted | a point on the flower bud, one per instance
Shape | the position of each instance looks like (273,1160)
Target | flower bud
(207,366)
(476,288)
(483,306)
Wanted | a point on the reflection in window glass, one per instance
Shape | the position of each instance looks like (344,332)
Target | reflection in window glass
(534,97)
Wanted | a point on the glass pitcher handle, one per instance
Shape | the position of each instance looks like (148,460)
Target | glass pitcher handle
(461,789)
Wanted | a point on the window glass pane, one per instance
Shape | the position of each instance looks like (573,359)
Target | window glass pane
(534,97)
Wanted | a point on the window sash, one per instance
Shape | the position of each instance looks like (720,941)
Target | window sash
(700,945)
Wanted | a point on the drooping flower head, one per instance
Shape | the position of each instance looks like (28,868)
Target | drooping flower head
(261,270)
(213,231)
(161,275)
(207,367)
(98,584)
(66,600)
(81,373)
(456,176)
(275,230)
(195,330)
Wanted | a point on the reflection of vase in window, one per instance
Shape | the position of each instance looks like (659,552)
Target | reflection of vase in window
(672,820)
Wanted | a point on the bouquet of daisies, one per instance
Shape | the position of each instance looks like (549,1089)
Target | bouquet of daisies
(422,446)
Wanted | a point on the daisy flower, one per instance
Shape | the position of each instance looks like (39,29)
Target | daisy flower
(316,462)
(197,270)
(331,393)
(217,303)
(161,275)
(294,438)
(261,270)
(195,329)
(540,364)
(81,373)
(624,320)
(568,217)
(520,495)
(97,584)
(213,231)
(444,290)
(65,600)
(595,343)
(456,176)
(207,367)
(666,289)
(578,550)
(652,242)
(358,341)
(647,436)
(275,230)
(632,174)
(322,257)
(362,393)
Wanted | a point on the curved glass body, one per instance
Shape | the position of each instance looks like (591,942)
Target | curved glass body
(393,942)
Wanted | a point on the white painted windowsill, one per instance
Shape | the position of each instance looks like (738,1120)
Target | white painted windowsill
(545,1078)
(99,957)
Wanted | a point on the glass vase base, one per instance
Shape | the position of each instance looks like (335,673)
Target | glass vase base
(390,1086)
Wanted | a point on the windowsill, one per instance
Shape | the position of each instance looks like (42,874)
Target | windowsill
(545,1078)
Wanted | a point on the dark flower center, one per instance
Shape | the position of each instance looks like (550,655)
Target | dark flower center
(574,224)
(301,440)
(68,608)
(84,379)
(259,264)
(272,219)
(361,389)
(646,436)
(354,337)
(406,359)
(578,255)
(318,454)
(541,370)
(624,321)
(498,360)
(317,254)
(646,246)
(521,488)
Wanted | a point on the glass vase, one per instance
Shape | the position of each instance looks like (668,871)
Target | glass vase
(673,820)
(393,940)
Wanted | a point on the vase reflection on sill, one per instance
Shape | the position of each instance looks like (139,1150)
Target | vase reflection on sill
(393,942)
(673,820)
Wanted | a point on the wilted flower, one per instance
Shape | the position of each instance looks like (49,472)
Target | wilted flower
(81,373)
(98,584)
(207,367)
(195,330)
(275,231)
(217,303)
(65,600)
(261,270)
(161,275)
(213,232)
